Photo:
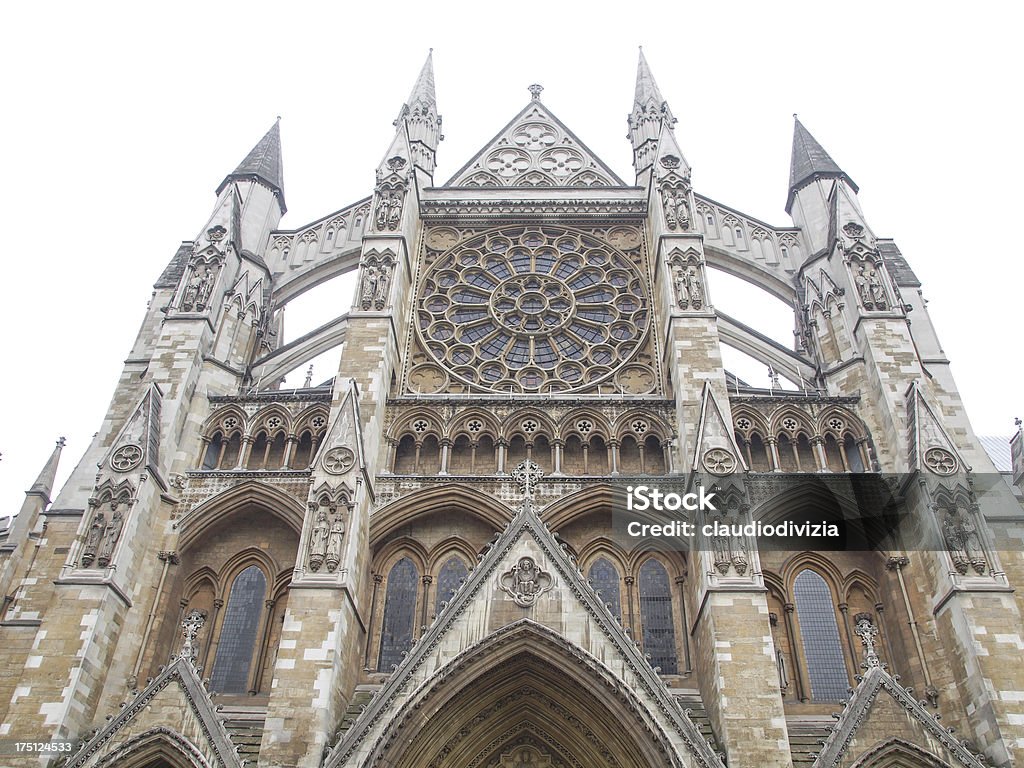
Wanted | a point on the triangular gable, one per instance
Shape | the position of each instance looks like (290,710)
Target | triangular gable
(341,451)
(930,445)
(535,149)
(174,706)
(137,445)
(460,628)
(715,449)
(882,712)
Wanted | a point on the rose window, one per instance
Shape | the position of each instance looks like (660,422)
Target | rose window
(514,310)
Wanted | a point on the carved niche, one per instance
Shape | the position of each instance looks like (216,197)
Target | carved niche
(200,276)
(375,283)
(674,190)
(687,279)
(961,538)
(387,212)
(870,281)
(327,533)
(107,509)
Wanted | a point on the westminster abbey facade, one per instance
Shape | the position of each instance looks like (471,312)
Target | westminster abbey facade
(417,564)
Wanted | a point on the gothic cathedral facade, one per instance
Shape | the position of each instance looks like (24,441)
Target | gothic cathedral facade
(417,564)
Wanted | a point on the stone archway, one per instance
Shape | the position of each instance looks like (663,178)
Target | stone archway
(524,701)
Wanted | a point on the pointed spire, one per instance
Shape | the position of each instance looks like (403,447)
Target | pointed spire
(423,90)
(650,113)
(43,486)
(646,88)
(263,163)
(420,120)
(810,161)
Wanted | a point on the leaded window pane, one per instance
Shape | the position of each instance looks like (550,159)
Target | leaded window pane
(399,614)
(604,578)
(238,633)
(659,632)
(452,574)
(823,649)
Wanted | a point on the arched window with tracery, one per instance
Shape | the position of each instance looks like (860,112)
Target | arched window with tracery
(659,632)
(399,614)
(239,631)
(452,574)
(819,634)
(604,578)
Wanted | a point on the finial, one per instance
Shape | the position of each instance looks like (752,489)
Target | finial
(309,377)
(867,631)
(535,90)
(1016,422)
(795,117)
(279,118)
(60,440)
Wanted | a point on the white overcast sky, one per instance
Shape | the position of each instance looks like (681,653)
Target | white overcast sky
(121,119)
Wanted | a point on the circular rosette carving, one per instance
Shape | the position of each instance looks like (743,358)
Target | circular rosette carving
(719,461)
(521,310)
(507,163)
(561,162)
(126,458)
(427,379)
(442,238)
(535,136)
(940,461)
(338,461)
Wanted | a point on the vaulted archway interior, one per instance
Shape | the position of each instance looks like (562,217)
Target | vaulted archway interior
(529,709)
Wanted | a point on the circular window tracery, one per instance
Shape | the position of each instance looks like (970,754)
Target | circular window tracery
(518,310)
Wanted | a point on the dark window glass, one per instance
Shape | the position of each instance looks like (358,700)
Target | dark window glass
(452,574)
(605,579)
(656,616)
(238,633)
(820,634)
(399,614)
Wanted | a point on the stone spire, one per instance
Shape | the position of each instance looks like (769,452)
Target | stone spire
(43,486)
(810,162)
(262,164)
(650,113)
(420,119)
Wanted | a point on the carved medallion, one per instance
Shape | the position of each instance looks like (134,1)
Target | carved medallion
(525,582)
(719,461)
(940,461)
(126,458)
(338,461)
(853,229)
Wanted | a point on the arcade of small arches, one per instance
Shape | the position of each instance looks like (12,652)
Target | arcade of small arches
(272,439)
(582,443)
(791,440)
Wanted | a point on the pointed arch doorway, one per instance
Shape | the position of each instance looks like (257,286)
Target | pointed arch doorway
(524,698)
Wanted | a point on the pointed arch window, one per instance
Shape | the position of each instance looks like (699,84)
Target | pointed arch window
(659,633)
(452,574)
(604,578)
(238,633)
(399,614)
(819,634)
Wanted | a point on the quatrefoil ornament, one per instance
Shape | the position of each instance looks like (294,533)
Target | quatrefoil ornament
(338,461)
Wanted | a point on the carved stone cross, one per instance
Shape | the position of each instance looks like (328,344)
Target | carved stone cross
(527,473)
(868,632)
(190,626)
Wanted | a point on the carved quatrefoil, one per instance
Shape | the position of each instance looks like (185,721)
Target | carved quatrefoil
(126,458)
(338,461)
(719,461)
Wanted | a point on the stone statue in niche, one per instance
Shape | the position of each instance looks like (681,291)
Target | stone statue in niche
(963,543)
(695,288)
(676,207)
(196,295)
(877,290)
(334,539)
(318,541)
(682,291)
(111,533)
(389,210)
(93,538)
(369,288)
(380,298)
